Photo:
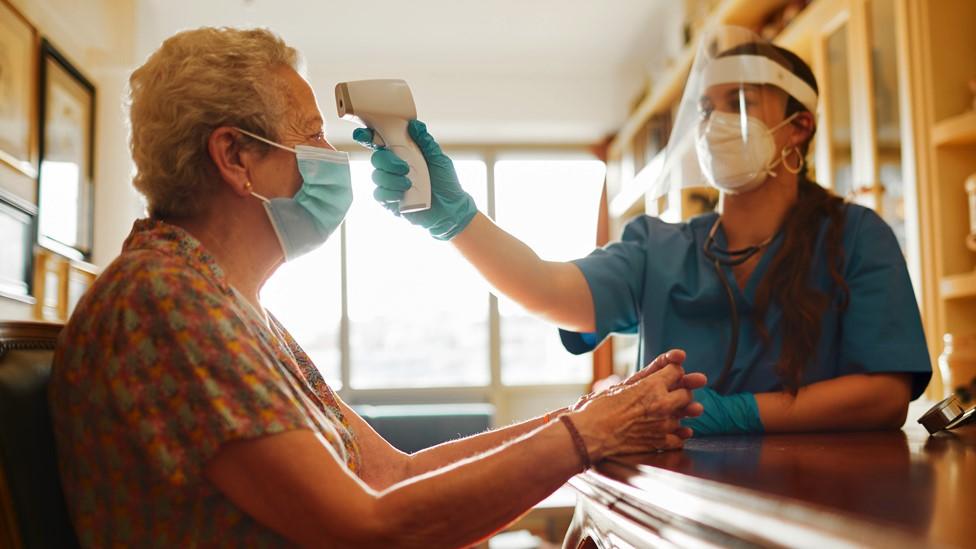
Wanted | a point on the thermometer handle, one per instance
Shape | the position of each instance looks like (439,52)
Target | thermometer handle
(393,131)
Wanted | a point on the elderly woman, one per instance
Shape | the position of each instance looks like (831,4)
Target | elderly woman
(185,414)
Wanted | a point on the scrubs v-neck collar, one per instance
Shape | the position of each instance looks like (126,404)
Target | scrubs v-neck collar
(747,294)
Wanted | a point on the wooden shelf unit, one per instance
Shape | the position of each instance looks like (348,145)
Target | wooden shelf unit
(941,65)
(798,36)
(961,286)
(956,130)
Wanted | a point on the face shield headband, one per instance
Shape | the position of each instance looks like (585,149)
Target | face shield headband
(757,69)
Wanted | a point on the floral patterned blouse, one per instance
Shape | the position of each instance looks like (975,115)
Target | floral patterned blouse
(161,363)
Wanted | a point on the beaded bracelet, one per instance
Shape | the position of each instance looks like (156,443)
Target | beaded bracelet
(577,441)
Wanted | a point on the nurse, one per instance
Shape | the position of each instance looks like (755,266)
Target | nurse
(796,305)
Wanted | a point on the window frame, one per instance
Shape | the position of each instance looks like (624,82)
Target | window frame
(496,393)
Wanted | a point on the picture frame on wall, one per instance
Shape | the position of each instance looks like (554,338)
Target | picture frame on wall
(17,93)
(16,247)
(65,179)
(59,283)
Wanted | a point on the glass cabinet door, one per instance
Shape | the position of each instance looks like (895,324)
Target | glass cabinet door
(839,158)
(887,194)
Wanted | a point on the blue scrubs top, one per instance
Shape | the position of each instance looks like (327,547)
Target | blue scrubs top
(657,282)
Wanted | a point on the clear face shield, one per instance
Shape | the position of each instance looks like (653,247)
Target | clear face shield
(733,106)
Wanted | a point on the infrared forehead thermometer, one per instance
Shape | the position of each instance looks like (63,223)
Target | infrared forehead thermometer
(385,106)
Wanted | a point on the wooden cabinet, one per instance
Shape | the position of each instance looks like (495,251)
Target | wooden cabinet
(898,134)
(863,144)
(942,62)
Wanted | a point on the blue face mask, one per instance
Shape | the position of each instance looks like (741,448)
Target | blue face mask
(305,221)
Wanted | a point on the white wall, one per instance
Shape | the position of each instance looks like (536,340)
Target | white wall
(486,109)
(499,72)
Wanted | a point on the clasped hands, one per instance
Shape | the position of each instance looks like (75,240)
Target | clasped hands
(642,413)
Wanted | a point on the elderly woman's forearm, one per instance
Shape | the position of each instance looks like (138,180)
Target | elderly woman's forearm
(467,501)
(449,452)
(475,497)
(293,483)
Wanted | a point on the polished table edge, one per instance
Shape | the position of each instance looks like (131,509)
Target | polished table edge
(685,505)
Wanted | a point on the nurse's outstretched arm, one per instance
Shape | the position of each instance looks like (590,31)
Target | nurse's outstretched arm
(555,291)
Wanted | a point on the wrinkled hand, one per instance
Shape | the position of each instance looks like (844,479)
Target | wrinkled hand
(451,208)
(675,356)
(642,413)
(725,415)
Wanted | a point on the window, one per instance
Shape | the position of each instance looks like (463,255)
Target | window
(417,315)
(551,205)
(305,295)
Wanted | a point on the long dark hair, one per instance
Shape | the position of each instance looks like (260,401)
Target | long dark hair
(788,281)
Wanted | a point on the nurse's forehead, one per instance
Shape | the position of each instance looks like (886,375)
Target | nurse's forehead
(727,91)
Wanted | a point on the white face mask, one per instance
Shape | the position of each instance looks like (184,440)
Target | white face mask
(736,159)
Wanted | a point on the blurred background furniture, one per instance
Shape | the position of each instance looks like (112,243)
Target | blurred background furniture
(413,427)
(32,507)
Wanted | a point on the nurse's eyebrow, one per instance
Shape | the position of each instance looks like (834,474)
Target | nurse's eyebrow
(745,87)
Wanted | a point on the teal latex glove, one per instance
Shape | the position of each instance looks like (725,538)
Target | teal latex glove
(451,208)
(725,414)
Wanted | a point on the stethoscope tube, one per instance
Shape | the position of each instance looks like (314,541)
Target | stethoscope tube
(731,258)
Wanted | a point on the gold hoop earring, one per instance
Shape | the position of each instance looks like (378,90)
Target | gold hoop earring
(785,154)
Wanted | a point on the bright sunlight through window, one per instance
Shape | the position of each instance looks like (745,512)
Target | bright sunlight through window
(553,206)
(418,314)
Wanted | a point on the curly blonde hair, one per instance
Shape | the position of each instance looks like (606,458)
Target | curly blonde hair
(197,81)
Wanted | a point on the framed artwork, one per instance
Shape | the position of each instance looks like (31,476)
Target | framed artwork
(17,78)
(58,284)
(17,228)
(67,125)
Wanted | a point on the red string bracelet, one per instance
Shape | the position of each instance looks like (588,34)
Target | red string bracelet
(577,441)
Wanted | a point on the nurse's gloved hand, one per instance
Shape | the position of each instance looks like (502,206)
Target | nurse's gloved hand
(724,414)
(451,208)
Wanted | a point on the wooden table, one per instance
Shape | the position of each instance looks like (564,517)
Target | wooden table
(879,489)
